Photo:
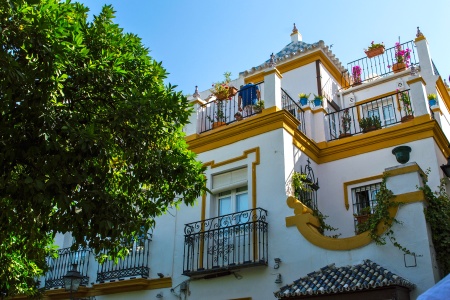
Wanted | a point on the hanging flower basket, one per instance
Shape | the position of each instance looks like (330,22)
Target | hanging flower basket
(374,52)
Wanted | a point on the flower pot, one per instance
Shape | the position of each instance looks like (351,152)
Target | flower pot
(432,102)
(398,67)
(317,102)
(370,128)
(407,118)
(257,109)
(361,219)
(356,83)
(218,124)
(230,92)
(303,101)
(374,52)
(345,134)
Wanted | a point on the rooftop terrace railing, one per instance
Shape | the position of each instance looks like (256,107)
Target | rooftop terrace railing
(223,112)
(376,67)
(294,108)
(389,110)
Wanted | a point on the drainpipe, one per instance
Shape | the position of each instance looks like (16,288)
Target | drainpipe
(319,78)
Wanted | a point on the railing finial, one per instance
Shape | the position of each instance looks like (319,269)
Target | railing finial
(196,93)
(272,62)
(419,33)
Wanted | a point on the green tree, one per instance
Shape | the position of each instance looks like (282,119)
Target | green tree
(91,139)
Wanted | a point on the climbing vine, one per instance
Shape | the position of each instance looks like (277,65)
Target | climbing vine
(381,217)
(437,214)
(301,183)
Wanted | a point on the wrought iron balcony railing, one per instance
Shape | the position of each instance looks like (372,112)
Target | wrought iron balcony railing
(59,266)
(294,109)
(383,112)
(136,263)
(376,67)
(224,112)
(218,245)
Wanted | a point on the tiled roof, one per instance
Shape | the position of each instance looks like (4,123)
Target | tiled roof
(292,50)
(349,278)
(295,47)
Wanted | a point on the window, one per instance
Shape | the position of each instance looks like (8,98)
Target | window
(364,198)
(230,202)
(388,114)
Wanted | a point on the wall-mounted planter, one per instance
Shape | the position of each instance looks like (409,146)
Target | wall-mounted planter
(402,153)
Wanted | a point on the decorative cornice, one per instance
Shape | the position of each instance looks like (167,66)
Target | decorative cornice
(443,92)
(417,79)
(419,38)
(274,70)
(119,286)
(419,128)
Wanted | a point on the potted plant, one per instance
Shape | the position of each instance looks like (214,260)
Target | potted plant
(356,72)
(402,58)
(222,89)
(259,106)
(303,98)
(370,123)
(374,50)
(406,105)
(362,218)
(219,118)
(432,99)
(238,116)
(346,124)
(318,100)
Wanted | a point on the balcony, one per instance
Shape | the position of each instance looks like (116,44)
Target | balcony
(376,67)
(390,110)
(216,246)
(136,263)
(224,112)
(59,266)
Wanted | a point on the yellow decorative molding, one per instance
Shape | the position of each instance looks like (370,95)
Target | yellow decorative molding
(274,70)
(212,164)
(417,79)
(443,93)
(307,224)
(420,38)
(419,128)
(353,182)
(319,110)
(119,286)
(404,170)
(197,101)
(268,121)
(393,172)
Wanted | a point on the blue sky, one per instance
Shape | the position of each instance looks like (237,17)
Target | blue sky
(198,40)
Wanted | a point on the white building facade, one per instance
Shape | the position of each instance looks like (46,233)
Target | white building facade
(252,237)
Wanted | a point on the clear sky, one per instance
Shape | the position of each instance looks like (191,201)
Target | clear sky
(198,40)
